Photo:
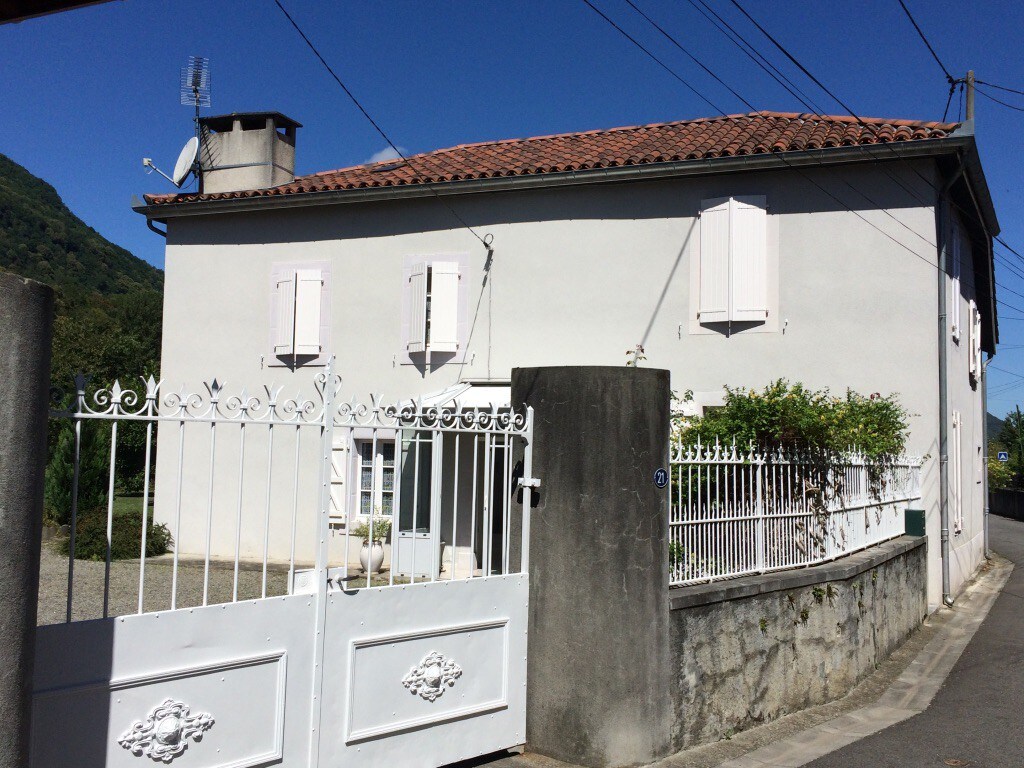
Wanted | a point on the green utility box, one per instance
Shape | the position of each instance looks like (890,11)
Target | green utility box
(914,522)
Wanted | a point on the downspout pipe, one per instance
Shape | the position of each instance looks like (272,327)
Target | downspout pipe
(984,450)
(941,272)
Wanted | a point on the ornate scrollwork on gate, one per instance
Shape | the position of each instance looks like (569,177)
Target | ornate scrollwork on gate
(164,734)
(431,676)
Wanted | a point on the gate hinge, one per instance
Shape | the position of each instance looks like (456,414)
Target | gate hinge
(529,482)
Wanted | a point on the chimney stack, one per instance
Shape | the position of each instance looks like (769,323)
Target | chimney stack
(246,150)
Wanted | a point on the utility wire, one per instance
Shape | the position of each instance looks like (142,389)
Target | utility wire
(781,157)
(1000,87)
(739,41)
(753,54)
(751,107)
(817,110)
(793,59)
(858,119)
(931,50)
(987,95)
(660,63)
(949,99)
(486,242)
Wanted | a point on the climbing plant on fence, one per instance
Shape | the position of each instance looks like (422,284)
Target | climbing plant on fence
(784,476)
(819,427)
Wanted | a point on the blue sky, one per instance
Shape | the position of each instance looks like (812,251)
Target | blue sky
(88,93)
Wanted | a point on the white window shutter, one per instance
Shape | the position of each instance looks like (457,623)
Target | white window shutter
(418,309)
(444,306)
(714,261)
(284,341)
(308,297)
(975,341)
(748,246)
(956,266)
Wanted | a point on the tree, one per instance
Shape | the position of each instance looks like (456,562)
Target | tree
(1011,440)
(93,471)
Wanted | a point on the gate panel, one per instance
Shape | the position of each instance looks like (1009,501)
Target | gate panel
(425,674)
(99,687)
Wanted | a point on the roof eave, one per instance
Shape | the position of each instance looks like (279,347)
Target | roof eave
(831,156)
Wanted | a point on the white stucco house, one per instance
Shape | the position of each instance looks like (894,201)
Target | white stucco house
(735,249)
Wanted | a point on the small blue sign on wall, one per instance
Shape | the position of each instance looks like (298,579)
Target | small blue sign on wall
(1003,456)
(660,478)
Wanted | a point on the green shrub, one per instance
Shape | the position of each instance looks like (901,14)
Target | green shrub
(381,530)
(126,540)
(820,427)
(785,415)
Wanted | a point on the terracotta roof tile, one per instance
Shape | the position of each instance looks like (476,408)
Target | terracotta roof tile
(733,135)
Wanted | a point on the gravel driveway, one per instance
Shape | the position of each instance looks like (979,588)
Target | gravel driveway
(124,585)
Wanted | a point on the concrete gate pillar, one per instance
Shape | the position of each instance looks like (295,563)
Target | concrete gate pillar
(26,321)
(598,664)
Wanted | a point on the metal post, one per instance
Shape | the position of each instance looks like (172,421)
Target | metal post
(970,94)
(322,529)
(759,469)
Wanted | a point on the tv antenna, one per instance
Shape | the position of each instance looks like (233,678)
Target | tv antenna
(195,92)
(195,84)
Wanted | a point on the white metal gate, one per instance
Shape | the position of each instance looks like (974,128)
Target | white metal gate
(232,655)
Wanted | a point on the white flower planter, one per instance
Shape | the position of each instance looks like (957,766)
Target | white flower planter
(371,562)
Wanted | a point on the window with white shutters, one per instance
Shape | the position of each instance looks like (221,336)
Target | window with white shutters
(434,308)
(418,309)
(299,324)
(955,266)
(733,260)
(975,343)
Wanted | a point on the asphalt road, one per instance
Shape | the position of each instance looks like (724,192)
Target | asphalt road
(977,717)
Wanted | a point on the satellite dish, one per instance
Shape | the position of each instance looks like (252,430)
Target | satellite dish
(186,161)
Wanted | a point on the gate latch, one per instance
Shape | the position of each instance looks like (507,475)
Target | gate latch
(529,482)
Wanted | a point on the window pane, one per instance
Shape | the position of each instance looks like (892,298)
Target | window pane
(387,503)
(365,503)
(366,452)
(418,518)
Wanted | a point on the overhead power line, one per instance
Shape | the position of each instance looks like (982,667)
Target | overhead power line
(1000,87)
(394,147)
(660,63)
(931,50)
(682,48)
(983,92)
(861,122)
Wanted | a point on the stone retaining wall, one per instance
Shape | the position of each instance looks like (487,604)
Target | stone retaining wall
(751,650)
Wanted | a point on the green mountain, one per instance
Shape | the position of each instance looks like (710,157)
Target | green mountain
(41,239)
(109,302)
(994,426)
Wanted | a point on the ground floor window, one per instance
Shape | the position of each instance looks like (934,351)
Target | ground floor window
(376,477)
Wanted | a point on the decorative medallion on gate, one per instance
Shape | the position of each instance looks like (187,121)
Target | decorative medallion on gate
(429,678)
(164,734)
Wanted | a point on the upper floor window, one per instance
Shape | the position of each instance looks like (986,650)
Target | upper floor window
(299,314)
(434,310)
(956,263)
(733,283)
(975,350)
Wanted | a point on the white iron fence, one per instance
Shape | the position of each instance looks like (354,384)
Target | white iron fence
(253,486)
(736,512)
